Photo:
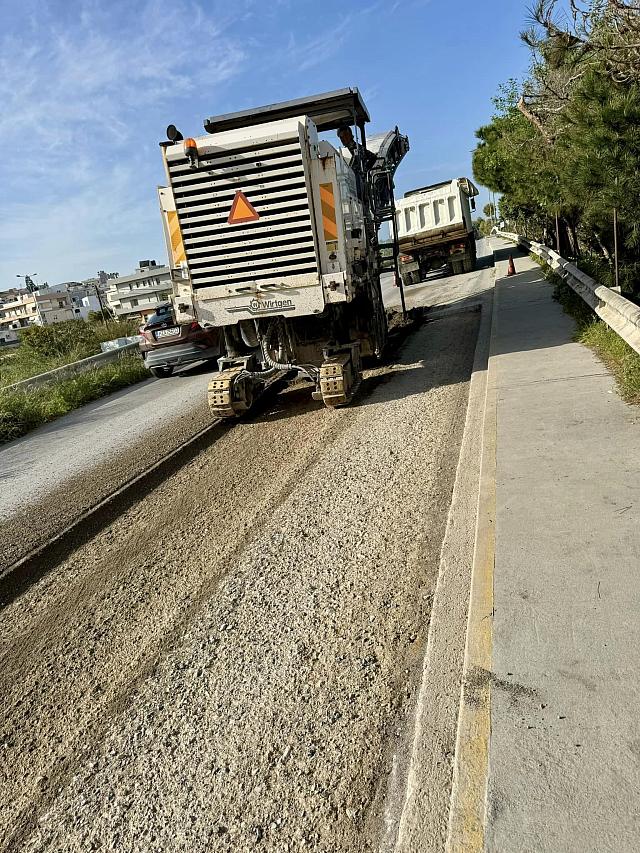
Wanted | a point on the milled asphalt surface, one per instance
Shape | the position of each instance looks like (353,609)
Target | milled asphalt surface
(54,473)
(233,663)
(564,762)
(439,291)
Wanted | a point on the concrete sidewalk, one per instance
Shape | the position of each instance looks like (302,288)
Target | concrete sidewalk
(564,753)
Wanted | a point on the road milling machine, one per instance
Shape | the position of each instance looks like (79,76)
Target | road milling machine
(272,235)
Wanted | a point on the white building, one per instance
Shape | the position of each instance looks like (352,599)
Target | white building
(87,296)
(139,294)
(42,308)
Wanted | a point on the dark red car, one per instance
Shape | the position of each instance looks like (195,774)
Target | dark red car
(168,344)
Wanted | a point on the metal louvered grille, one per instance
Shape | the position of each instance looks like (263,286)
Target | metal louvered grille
(279,243)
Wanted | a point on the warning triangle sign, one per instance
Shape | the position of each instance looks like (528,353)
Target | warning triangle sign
(242,210)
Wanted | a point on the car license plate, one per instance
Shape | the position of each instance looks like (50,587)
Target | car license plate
(413,267)
(168,333)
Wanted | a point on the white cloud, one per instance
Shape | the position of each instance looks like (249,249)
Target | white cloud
(307,54)
(303,55)
(98,225)
(78,89)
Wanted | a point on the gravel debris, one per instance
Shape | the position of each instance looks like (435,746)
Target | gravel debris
(227,666)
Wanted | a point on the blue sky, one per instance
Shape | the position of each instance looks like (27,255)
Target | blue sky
(88,88)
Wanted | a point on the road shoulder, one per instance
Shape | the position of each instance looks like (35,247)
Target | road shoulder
(423,824)
(561,764)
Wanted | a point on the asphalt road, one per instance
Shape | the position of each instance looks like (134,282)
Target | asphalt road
(52,467)
(40,462)
(66,467)
(439,290)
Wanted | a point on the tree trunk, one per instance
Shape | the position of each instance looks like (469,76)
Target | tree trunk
(574,237)
(605,252)
(570,238)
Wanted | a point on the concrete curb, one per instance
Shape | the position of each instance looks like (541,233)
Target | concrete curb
(423,820)
(68,371)
(618,313)
(468,796)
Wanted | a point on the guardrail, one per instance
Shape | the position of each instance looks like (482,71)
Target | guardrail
(617,312)
(74,369)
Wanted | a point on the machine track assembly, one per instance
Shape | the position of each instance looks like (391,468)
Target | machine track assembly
(230,393)
(340,377)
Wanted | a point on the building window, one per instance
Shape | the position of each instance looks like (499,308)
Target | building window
(134,302)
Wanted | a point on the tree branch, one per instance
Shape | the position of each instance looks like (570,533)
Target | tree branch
(534,120)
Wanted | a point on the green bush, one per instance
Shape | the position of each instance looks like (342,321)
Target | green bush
(23,410)
(603,272)
(44,348)
(58,340)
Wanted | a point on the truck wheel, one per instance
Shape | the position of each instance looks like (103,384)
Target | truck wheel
(161,372)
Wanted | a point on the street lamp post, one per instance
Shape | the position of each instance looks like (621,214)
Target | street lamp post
(29,282)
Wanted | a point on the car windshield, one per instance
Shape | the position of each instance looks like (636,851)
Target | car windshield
(160,317)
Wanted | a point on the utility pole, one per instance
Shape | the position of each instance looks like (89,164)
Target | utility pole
(558,217)
(615,247)
(102,279)
(104,319)
(29,282)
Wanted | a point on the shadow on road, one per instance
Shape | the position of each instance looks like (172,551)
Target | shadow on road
(526,336)
(405,373)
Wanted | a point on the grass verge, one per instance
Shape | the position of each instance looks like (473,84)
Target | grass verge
(24,410)
(43,348)
(615,353)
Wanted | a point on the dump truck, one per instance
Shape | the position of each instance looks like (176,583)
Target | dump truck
(271,233)
(434,228)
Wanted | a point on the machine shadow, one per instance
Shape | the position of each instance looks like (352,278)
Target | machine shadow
(401,376)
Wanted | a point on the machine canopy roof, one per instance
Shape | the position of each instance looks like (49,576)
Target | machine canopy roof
(328,111)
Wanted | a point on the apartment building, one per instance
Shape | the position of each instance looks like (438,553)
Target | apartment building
(42,307)
(87,296)
(138,294)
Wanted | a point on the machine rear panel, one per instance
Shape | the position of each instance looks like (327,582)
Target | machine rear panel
(271,174)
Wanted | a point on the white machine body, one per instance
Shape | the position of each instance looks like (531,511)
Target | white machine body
(262,221)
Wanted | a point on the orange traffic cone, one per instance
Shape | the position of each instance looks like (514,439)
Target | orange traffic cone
(512,267)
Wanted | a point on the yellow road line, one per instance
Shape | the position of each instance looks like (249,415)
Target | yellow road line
(468,796)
